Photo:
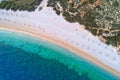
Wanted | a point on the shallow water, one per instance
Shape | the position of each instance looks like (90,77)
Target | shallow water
(23,57)
(16,64)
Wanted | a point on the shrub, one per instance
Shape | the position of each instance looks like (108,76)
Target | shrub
(3,4)
(8,6)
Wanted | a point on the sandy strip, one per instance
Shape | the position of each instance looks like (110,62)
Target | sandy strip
(52,39)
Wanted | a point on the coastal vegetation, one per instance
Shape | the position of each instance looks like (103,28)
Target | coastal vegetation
(100,17)
(29,5)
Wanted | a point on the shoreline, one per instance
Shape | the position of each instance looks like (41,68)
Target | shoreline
(54,40)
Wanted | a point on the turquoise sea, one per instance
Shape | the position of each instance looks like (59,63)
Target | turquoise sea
(23,57)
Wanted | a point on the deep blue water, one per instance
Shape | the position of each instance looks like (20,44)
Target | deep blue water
(24,57)
(16,64)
